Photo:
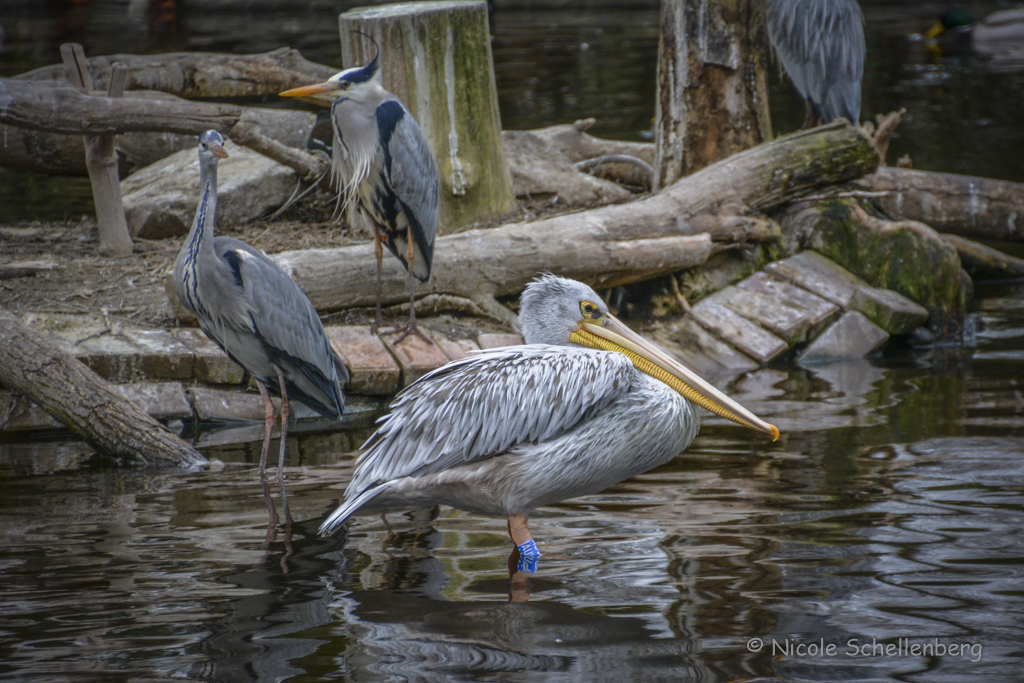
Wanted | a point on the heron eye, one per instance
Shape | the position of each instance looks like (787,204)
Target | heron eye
(590,310)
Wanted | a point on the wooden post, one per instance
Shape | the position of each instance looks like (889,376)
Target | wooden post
(101,158)
(712,85)
(436,58)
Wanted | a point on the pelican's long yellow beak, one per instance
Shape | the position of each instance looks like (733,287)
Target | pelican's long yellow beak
(648,358)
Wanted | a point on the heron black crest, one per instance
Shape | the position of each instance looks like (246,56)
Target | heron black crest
(367,72)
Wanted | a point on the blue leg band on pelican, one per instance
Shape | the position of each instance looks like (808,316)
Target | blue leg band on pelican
(528,556)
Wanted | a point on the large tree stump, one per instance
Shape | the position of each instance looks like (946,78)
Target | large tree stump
(712,85)
(72,393)
(436,58)
(101,159)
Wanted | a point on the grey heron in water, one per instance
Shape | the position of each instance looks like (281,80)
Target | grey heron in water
(821,46)
(387,175)
(585,404)
(255,312)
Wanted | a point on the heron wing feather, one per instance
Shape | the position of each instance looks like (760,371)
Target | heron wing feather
(481,406)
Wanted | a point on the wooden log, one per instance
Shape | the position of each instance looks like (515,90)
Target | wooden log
(573,141)
(712,86)
(611,245)
(200,74)
(985,262)
(9,271)
(101,159)
(971,207)
(69,391)
(436,58)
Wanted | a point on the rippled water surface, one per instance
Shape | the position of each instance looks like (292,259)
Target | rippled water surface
(890,513)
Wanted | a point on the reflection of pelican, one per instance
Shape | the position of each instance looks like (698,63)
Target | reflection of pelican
(584,405)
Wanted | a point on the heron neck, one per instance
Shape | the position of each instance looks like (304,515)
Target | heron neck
(201,235)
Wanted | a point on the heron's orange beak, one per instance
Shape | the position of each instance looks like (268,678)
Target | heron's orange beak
(611,335)
(308,90)
(218,151)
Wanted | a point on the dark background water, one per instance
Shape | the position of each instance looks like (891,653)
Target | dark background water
(892,508)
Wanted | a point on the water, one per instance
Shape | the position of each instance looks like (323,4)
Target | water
(890,512)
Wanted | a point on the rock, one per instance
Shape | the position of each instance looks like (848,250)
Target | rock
(454,349)
(372,370)
(736,330)
(212,365)
(228,406)
(163,400)
(160,200)
(699,350)
(789,324)
(852,336)
(819,275)
(892,312)
(416,356)
(490,340)
(540,171)
(819,311)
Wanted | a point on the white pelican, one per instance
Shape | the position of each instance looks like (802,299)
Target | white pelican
(585,404)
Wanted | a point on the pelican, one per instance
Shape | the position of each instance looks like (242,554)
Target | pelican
(585,404)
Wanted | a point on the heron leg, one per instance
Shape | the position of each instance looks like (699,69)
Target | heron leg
(378,251)
(285,414)
(268,410)
(410,326)
(809,119)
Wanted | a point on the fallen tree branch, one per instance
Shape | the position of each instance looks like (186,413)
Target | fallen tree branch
(976,208)
(985,262)
(609,246)
(73,394)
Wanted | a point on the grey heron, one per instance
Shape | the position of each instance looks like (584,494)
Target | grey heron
(821,46)
(585,404)
(255,312)
(387,175)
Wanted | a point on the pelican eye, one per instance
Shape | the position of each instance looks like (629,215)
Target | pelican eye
(590,310)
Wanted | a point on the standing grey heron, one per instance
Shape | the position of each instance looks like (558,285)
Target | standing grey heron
(821,46)
(585,404)
(255,312)
(385,170)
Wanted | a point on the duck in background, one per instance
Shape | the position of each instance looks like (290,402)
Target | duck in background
(1000,35)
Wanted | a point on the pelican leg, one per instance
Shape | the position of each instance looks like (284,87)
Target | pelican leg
(519,532)
(268,409)
(285,414)
(378,251)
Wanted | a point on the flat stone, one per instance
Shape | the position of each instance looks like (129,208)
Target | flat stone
(852,336)
(220,404)
(211,364)
(490,340)
(21,415)
(162,400)
(702,352)
(819,311)
(893,312)
(454,349)
(372,369)
(819,275)
(737,331)
(789,324)
(111,358)
(160,355)
(416,356)
(160,199)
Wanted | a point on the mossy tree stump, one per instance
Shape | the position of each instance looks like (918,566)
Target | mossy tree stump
(712,85)
(436,58)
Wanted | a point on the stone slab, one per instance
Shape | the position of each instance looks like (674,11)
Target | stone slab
(819,275)
(454,349)
(893,312)
(372,369)
(789,324)
(162,400)
(852,336)
(21,415)
(819,311)
(416,356)
(160,355)
(490,340)
(211,364)
(219,404)
(737,331)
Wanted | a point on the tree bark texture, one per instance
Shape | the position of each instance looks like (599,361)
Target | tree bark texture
(612,245)
(73,394)
(436,58)
(200,74)
(712,84)
(976,208)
